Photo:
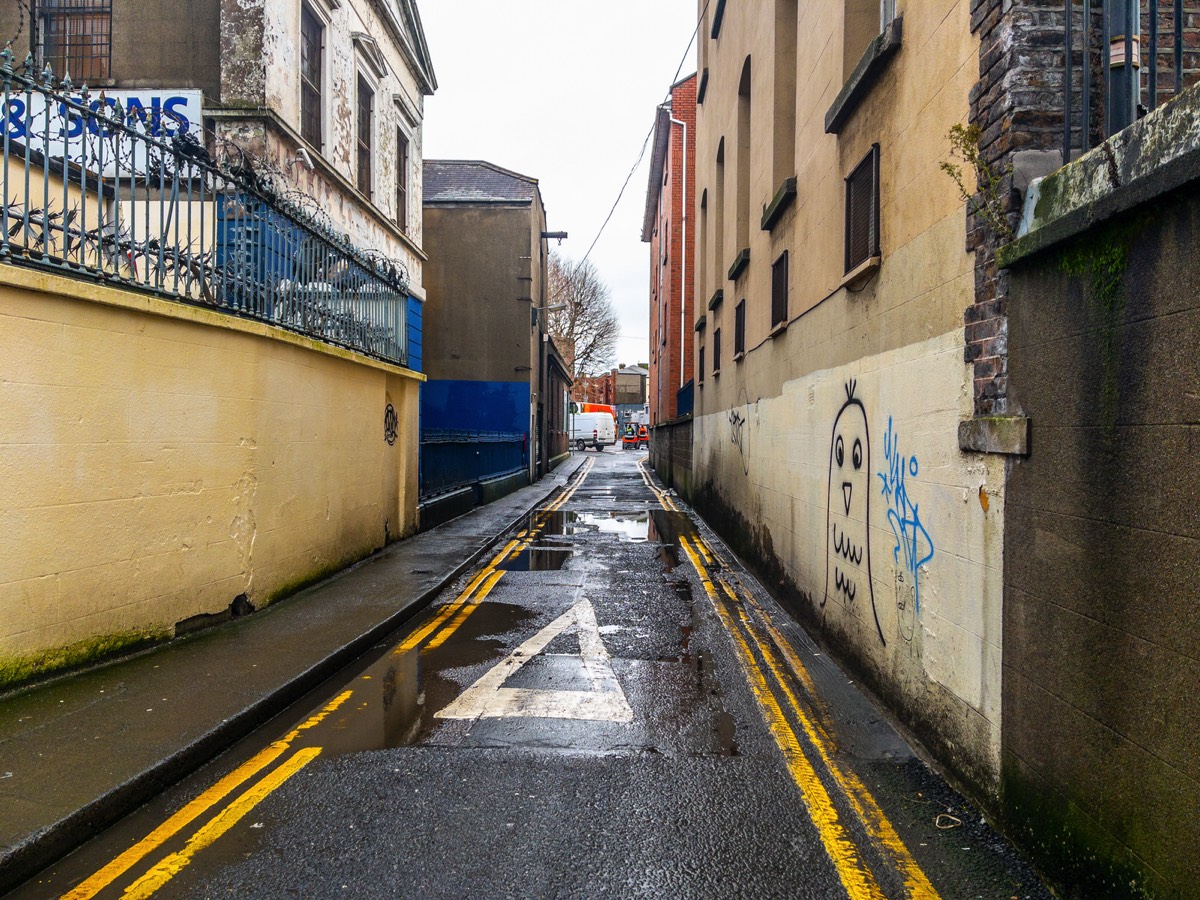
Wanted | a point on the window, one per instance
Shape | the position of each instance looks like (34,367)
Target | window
(312,60)
(365,124)
(702,364)
(862,211)
(75,38)
(739,329)
(779,290)
(716,350)
(401,180)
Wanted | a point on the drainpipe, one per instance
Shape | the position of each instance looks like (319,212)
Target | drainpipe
(682,262)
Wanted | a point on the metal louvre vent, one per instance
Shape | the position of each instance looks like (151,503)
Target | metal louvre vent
(862,211)
(779,290)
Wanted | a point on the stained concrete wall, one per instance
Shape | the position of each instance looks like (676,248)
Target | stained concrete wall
(1102,557)
(828,454)
(160,460)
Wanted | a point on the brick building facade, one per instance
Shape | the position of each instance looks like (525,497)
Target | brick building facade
(670,197)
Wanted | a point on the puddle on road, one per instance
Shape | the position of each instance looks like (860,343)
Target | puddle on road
(546,556)
(395,696)
(388,708)
(634,528)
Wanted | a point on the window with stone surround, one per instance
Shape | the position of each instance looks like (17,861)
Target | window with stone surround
(312,65)
(364,135)
(402,180)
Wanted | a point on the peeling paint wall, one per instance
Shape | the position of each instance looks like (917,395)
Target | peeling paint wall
(155,467)
(260,72)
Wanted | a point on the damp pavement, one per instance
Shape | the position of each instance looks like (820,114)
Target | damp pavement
(599,701)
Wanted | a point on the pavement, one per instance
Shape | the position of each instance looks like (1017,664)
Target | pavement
(81,751)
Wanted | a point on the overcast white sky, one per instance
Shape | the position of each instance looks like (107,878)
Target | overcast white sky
(563,91)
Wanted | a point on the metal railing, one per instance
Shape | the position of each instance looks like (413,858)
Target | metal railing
(451,459)
(132,197)
(1108,82)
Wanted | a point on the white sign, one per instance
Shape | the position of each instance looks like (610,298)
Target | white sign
(57,129)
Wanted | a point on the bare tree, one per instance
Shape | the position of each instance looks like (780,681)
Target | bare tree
(586,331)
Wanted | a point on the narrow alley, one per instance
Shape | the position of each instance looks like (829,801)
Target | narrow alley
(608,705)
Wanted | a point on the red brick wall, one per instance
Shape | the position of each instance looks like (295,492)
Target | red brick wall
(675,305)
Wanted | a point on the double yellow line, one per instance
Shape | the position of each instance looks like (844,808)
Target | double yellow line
(481,585)
(167,868)
(811,751)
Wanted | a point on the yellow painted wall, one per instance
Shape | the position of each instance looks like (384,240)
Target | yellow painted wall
(159,460)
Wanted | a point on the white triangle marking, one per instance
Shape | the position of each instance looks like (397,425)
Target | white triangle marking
(605,702)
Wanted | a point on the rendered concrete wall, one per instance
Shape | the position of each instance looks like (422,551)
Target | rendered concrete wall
(892,552)
(158,461)
(1102,558)
(849,492)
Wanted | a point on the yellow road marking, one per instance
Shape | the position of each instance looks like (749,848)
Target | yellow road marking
(460,608)
(865,807)
(172,865)
(465,611)
(854,875)
(168,829)
(874,820)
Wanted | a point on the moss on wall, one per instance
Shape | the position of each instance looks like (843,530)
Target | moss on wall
(1101,261)
(19,670)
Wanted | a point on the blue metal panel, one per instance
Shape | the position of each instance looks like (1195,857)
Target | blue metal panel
(416,314)
(497,406)
(472,431)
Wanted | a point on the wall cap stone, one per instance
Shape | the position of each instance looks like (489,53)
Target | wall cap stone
(1008,435)
(1152,157)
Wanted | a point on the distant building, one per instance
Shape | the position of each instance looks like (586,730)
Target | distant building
(493,412)
(329,93)
(668,229)
(623,388)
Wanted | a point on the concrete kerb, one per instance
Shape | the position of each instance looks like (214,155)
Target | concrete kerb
(27,857)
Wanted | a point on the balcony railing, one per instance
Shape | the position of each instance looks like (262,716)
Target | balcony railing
(1111,81)
(132,197)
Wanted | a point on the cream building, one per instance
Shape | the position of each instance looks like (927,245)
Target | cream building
(832,279)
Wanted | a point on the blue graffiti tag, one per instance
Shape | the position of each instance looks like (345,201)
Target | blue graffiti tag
(903,514)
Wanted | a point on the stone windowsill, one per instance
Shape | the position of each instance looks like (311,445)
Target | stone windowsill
(783,198)
(740,262)
(861,274)
(865,75)
(739,356)
(1008,435)
(778,329)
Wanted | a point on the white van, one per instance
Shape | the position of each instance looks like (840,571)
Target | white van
(593,429)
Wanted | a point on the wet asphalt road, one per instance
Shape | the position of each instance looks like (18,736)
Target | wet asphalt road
(609,708)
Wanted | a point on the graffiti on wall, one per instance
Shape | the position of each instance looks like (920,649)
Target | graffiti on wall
(738,431)
(914,546)
(848,511)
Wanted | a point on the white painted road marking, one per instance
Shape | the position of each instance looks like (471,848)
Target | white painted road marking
(605,702)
